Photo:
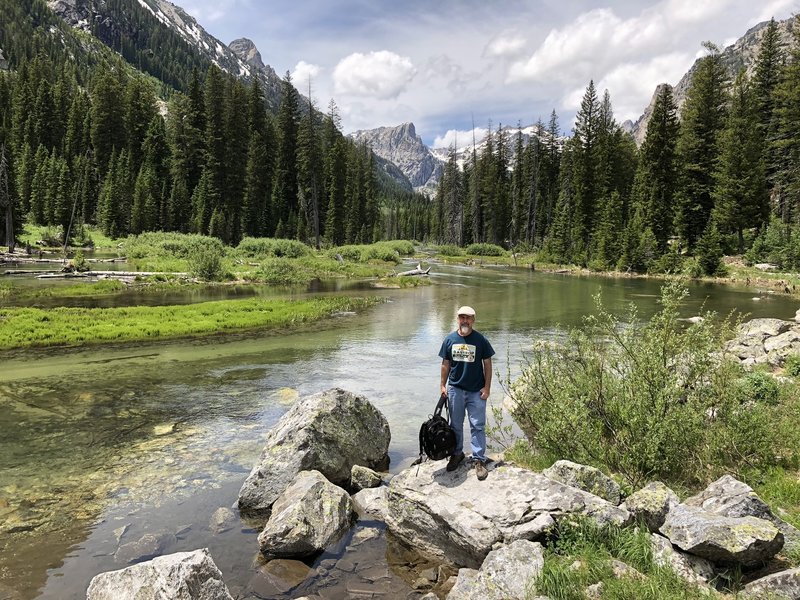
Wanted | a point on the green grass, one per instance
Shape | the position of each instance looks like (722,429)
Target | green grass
(78,290)
(32,327)
(33,233)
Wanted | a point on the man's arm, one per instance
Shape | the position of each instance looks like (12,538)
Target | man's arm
(445,373)
(487,378)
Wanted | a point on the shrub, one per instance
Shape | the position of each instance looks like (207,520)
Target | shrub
(366,253)
(792,365)
(402,247)
(280,271)
(760,387)
(485,250)
(170,245)
(645,400)
(269,247)
(206,264)
(449,250)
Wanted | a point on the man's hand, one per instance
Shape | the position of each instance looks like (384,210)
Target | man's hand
(484,393)
(444,390)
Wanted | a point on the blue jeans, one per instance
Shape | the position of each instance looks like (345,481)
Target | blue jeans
(458,401)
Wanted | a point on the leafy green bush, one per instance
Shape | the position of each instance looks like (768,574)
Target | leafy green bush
(671,262)
(449,250)
(170,245)
(485,250)
(206,264)
(792,365)
(402,247)
(692,268)
(646,400)
(280,271)
(366,253)
(269,247)
(760,387)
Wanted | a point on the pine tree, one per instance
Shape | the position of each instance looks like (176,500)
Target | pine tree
(657,174)
(702,121)
(107,121)
(587,128)
(237,139)
(309,163)
(284,192)
(786,143)
(740,192)
(216,146)
(336,168)
(260,167)
(140,109)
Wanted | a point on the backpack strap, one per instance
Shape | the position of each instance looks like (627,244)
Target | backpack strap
(442,404)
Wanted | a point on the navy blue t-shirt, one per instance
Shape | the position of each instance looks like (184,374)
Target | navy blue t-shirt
(466,356)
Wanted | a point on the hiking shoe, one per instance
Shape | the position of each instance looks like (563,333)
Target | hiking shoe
(481,471)
(454,461)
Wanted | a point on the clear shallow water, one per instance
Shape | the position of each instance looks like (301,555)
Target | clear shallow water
(100,447)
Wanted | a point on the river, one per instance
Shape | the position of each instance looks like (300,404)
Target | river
(99,447)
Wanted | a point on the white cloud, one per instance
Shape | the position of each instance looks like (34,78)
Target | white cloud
(459,139)
(507,44)
(383,75)
(303,72)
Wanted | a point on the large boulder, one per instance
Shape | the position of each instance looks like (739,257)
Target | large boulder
(508,573)
(179,576)
(586,478)
(328,432)
(651,504)
(310,515)
(783,585)
(729,497)
(746,541)
(454,518)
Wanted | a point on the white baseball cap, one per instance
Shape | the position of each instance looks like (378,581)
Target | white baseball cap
(466,310)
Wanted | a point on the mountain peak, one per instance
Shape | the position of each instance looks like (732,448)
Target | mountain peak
(246,50)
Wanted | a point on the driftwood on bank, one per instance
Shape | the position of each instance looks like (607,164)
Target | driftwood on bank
(418,271)
(106,274)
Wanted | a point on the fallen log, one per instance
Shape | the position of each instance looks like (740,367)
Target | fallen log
(418,271)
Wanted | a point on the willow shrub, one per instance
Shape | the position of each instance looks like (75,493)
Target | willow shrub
(485,250)
(647,400)
(269,247)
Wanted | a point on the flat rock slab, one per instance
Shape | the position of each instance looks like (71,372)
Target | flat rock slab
(455,518)
(586,478)
(783,585)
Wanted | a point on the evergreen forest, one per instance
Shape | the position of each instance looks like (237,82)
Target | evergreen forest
(97,141)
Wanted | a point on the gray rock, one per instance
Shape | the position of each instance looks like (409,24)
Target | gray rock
(453,517)
(311,514)
(784,341)
(730,497)
(746,541)
(693,569)
(362,478)
(148,546)
(508,573)
(651,504)
(586,478)
(184,576)
(372,503)
(763,328)
(222,520)
(785,584)
(328,432)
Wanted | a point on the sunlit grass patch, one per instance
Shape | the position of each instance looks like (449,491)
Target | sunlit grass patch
(29,327)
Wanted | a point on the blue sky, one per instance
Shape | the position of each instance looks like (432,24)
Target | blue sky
(443,64)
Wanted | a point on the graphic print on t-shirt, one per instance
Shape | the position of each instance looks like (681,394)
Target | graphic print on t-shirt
(463,353)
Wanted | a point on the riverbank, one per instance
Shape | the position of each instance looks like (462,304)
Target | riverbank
(33,327)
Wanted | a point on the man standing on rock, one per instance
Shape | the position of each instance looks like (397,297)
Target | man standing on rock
(466,379)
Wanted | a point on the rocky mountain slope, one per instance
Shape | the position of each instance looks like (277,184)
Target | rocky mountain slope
(740,55)
(402,146)
(141,28)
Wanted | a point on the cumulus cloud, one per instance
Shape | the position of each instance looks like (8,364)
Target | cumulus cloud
(383,75)
(454,137)
(509,44)
(304,72)
(598,40)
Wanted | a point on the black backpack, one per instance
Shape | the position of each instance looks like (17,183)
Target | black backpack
(437,439)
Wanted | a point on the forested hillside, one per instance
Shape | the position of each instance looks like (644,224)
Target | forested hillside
(721,176)
(86,138)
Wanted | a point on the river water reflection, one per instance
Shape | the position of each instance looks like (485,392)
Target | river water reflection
(100,447)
